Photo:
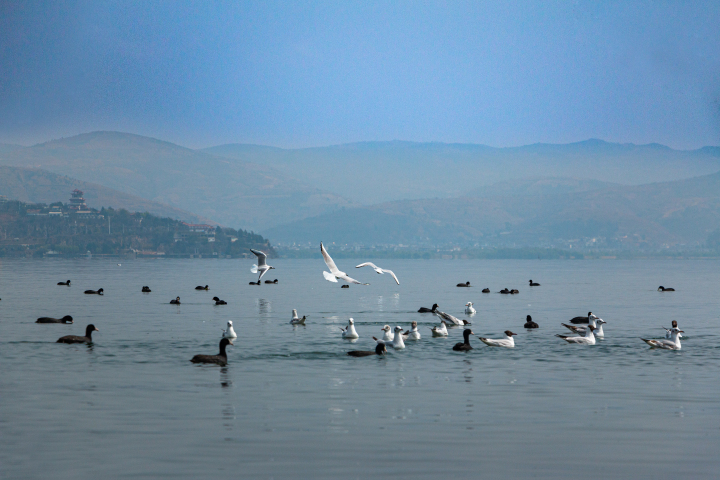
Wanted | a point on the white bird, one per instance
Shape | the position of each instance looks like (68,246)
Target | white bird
(397,342)
(507,342)
(440,331)
(388,335)
(349,331)
(469,308)
(582,330)
(379,270)
(297,320)
(588,339)
(673,344)
(451,321)
(229,333)
(668,331)
(335,273)
(262,265)
(413,333)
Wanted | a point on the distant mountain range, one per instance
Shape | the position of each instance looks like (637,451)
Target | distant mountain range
(544,212)
(40,186)
(231,192)
(376,172)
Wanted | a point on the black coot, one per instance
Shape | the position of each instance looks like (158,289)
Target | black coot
(219,359)
(94,292)
(65,319)
(428,310)
(146,289)
(75,339)
(380,349)
(464,346)
(202,288)
(219,302)
(176,301)
(529,323)
(65,283)
(466,284)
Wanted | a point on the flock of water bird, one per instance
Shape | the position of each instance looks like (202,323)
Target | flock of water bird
(586,329)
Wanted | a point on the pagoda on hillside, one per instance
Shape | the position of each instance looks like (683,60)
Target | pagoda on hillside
(77,202)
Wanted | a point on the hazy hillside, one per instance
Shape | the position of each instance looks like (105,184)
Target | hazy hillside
(676,213)
(9,147)
(231,192)
(375,172)
(40,186)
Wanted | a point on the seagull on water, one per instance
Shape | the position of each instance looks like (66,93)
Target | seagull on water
(349,331)
(297,320)
(413,333)
(588,339)
(507,342)
(668,331)
(469,308)
(451,321)
(378,270)
(397,342)
(262,265)
(229,333)
(335,273)
(673,344)
(440,331)
(597,324)
(388,335)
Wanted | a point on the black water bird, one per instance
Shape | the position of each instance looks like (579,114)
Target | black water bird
(428,310)
(146,289)
(75,339)
(65,319)
(380,349)
(272,281)
(219,359)
(466,284)
(202,288)
(67,284)
(486,290)
(94,292)
(464,346)
(582,320)
(504,291)
(529,323)
(219,302)
(175,301)
(514,291)
(254,283)
(344,286)
(663,289)
(533,284)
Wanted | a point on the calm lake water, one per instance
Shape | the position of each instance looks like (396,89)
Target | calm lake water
(291,404)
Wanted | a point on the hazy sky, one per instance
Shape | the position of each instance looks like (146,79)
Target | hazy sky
(311,73)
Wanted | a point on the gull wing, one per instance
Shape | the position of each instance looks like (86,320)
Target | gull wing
(345,277)
(328,260)
(391,273)
(329,277)
(366,264)
(261,257)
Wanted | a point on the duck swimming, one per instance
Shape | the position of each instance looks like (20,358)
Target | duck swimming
(65,319)
(504,291)
(176,301)
(380,349)
(94,292)
(529,322)
(75,339)
(466,284)
(219,359)
(533,284)
(219,302)
(506,342)
(440,331)
(271,282)
(230,332)
(464,346)
(428,310)
(202,288)
(146,289)
(344,286)
(65,283)
(254,283)
(349,331)
(514,291)
(485,290)
(663,289)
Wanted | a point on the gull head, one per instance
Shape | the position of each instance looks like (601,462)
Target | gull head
(509,333)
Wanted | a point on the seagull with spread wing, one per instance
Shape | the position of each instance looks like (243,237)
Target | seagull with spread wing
(335,273)
(379,270)
(262,265)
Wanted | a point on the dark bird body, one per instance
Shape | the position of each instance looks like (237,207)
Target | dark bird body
(345,286)
(380,349)
(65,319)
(67,284)
(75,339)
(272,282)
(466,284)
(202,288)
(581,320)
(532,284)
(529,323)
(175,301)
(428,310)
(94,292)
(663,289)
(486,290)
(464,346)
(219,359)
(146,289)
(219,302)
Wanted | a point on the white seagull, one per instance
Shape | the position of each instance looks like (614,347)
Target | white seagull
(582,330)
(388,335)
(229,333)
(397,342)
(262,265)
(469,310)
(588,339)
(335,273)
(673,344)
(378,270)
(295,320)
(349,331)
(507,342)
(668,331)
(440,331)
(413,333)
(451,321)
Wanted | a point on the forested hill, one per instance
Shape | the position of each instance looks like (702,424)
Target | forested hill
(58,230)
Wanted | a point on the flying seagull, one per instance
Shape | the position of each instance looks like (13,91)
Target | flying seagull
(379,270)
(334,272)
(262,265)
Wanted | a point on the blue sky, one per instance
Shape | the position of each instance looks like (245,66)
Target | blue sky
(296,74)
